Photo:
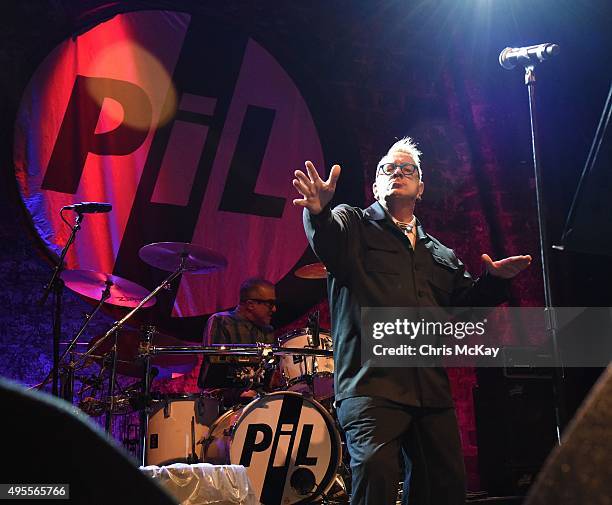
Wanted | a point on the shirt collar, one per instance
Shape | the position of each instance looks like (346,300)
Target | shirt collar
(376,212)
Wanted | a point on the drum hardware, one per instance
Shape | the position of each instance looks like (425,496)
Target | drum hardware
(313,326)
(120,405)
(89,382)
(118,325)
(112,380)
(132,349)
(260,355)
(238,369)
(148,332)
(339,492)
(67,378)
(176,257)
(110,289)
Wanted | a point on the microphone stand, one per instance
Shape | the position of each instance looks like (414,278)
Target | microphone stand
(551,320)
(56,284)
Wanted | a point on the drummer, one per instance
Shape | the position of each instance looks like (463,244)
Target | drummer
(247,323)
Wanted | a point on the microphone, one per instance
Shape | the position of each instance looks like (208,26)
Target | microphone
(511,56)
(89,207)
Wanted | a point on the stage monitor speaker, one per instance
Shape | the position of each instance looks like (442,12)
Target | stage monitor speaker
(47,441)
(580,469)
(515,429)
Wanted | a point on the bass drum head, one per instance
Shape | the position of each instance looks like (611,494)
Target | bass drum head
(290,447)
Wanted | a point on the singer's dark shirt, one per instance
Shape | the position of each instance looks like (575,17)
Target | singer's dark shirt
(371,263)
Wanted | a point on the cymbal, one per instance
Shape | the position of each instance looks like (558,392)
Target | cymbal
(312,271)
(91,284)
(128,345)
(167,256)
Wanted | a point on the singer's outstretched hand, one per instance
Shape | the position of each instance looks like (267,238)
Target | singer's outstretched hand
(317,193)
(508,267)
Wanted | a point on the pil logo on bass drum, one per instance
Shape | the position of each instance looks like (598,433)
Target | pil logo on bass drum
(288,443)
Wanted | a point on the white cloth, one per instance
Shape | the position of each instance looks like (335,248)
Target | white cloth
(204,484)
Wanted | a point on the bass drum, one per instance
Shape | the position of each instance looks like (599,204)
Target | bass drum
(288,443)
(177,426)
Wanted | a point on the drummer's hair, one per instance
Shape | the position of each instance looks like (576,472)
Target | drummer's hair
(248,287)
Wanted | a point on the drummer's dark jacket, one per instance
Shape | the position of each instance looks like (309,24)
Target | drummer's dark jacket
(371,263)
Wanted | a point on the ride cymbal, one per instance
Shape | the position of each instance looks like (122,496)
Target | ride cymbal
(168,255)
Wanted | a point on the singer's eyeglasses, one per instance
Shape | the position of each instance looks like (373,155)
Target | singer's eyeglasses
(408,169)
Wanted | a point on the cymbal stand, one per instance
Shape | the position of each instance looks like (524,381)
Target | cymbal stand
(72,365)
(111,384)
(117,325)
(66,383)
(313,326)
(148,332)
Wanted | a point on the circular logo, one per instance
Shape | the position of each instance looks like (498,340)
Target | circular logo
(191,136)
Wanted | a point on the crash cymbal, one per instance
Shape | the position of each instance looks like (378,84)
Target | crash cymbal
(312,271)
(167,256)
(128,344)
(91,284)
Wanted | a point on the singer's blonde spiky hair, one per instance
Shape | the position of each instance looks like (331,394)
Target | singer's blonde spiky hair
(409,146)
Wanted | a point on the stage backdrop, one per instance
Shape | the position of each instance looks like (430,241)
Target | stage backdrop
(191,135)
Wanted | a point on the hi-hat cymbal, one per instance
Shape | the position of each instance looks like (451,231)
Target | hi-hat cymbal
(167,256)
(312,271)
(91,284)
(128,346)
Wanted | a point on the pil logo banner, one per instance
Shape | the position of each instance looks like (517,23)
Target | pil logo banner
(190,129)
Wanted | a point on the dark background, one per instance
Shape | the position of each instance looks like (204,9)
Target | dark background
(372,71)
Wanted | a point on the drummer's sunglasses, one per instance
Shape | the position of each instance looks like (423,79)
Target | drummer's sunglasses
(269,303)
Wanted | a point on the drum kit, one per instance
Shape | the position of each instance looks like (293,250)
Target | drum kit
(286,437)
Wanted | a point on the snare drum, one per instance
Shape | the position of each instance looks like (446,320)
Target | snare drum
(288,443)
(177,426)
(312,375)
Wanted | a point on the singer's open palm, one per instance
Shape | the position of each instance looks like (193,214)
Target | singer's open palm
(317,193)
